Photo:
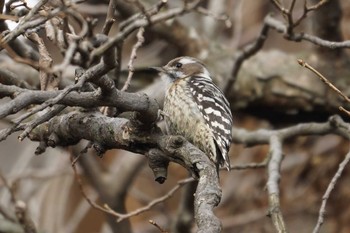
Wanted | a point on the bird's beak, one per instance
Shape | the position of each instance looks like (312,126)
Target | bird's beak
(159,69)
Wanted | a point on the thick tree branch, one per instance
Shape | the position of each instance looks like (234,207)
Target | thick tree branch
(125,101)
(184,216)
(121,133)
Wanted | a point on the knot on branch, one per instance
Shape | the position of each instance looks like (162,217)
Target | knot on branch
(41,148)
(159,165)
(147,117)
(175,142)
(335,121)
(53,140)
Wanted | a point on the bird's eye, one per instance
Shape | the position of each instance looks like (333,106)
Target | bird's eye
(178,65)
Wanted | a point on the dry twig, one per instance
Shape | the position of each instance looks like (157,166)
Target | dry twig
(327,82)
(119,216)
(137,23)
(156,201)
(133,56)
(274,175)
(23,218)
(328,192)
(225,18)
(324,79)
(244,54)
(85,195)
(157,226)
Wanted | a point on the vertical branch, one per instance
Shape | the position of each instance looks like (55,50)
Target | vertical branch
(47,80)
(21,210)
(273,181)
(326,25)
(119,48)
(110,19)
(133,56)
(328,192)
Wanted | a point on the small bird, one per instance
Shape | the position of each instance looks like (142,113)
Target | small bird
(195,108)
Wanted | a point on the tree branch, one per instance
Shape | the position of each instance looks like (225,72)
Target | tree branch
(328,192)
(121,133)
(335,125)
(274,175)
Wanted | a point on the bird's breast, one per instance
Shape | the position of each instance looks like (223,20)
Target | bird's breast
(184,117)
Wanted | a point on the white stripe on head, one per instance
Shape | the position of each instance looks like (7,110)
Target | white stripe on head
(205,74)
(187,60)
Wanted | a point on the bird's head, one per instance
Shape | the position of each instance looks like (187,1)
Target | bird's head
(183,67)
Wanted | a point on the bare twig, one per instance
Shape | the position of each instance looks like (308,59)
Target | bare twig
(274,167)
(142,8)
(156,201)
(160,17)
(328,83)
(21,211)
(334,125)
(278,5)
(4,133)
(7,77)
(323,79)
(9,17)
(67,58)
(82,21)
(263,164)
(344,110)
(85,195)
(328,192)
(18,58)
(47,116)
(288,13)
(244,54)
(157,226)
(120,217)
(133,56)
(281,28)
(275,138)
(33,11)
(237,24)
(110,18)
(152,11)
(272,23)
(23,27)
(94,72)
(225,18)
(319,4)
